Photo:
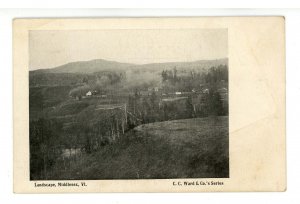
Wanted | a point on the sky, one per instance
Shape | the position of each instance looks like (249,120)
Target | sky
(50,48)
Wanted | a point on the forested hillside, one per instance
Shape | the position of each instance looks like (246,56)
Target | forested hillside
(82,113)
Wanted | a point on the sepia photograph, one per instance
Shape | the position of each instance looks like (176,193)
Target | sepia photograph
(128,104)
(149,104)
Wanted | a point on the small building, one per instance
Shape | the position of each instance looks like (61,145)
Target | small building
(144,93)
(222,90)
(89,93)
(151,89)
(205,91)
(173,99)
(178,93)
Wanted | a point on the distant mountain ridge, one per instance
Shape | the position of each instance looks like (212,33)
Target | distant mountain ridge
(86,67)
(97,65)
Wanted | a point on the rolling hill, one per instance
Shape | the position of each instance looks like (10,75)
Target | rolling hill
(98,65)
(187,148)
(86,67)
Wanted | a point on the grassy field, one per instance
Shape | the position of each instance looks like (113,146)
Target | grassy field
(189,148)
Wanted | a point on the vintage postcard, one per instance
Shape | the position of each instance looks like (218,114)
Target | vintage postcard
(149,104)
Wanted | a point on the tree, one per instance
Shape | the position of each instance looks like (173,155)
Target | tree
(164,75)
(174,75)
(85,80)
(214,103)
(44,141)
(189,107)
(218,104)
(153,100)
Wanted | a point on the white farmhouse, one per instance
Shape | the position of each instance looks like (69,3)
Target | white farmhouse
(89,93)
(205,91)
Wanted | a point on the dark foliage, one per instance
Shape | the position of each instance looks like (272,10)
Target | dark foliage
(62,118)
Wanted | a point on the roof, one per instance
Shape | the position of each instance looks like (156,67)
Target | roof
(173,99)
(222,90)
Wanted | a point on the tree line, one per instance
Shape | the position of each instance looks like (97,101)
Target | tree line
(90,130)
(187,80)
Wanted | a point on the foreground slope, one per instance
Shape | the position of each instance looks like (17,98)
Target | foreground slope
(189,148)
